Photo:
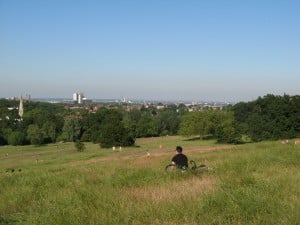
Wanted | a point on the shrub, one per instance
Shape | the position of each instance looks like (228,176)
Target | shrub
(16,138)
(79,146)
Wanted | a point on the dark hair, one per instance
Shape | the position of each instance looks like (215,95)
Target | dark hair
(179,149)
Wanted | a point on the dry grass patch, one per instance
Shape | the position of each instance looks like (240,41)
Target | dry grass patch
(140,157)
(188,188)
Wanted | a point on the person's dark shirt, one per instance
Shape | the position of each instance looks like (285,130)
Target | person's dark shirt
(180,160)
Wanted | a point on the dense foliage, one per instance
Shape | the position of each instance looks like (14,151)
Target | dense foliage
(109,126)
(269,117)
(210,124)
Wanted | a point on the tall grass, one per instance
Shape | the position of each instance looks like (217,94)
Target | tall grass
(247,184)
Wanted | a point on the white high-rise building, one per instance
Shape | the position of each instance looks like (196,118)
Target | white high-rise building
(78,98)
(75,97)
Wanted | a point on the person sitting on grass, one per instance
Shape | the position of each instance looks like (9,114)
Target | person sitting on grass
(180,160)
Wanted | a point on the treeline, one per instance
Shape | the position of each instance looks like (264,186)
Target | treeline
(44,123)
(267,118)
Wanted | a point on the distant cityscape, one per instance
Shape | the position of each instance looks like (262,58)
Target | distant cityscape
(79,99)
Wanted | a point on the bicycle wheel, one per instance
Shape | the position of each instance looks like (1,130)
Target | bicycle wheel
(193,165)
(170,168)
(202,168)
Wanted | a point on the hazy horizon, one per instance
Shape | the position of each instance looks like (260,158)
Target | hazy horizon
(160,50)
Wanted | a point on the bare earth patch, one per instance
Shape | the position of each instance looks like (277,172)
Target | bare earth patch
(188,188)
(140,157)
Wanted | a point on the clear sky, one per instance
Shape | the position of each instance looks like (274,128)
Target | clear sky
(150,49)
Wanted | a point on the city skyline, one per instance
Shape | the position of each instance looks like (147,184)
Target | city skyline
(159,50)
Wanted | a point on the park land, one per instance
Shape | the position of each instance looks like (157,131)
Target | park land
(255,183)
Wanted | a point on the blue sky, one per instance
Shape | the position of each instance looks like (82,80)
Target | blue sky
(154,49)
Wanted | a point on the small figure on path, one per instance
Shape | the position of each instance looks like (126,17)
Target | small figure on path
(148,153)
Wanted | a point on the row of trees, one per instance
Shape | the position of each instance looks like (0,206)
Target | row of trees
(219,125)
(41,123)
(110,126)
(269,117)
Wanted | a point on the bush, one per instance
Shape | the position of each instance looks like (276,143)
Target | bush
(2,140)
(16,138)
(114,134)
(79,146)
(35,135)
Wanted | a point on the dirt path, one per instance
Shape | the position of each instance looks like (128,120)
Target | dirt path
(140,156)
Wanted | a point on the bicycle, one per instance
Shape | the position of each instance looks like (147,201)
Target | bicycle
(193,168)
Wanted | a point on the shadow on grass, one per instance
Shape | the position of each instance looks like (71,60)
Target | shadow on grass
(7,220)
(197,138)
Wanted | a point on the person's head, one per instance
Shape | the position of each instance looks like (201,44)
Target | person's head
(178,149)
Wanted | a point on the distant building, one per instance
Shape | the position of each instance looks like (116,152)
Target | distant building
(78,98)
(75,97)
(21,109)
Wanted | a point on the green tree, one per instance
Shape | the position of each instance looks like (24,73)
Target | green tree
(195,123)
(269,117)
(47,116)
(91,125)
(168,122)
(147,126)
(35,135)
(130,121)
(113,131)
(16,138)
(2,138)
(71,129)
(49,131)
(217,124)
(224,127)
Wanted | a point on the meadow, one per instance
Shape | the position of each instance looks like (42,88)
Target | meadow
(255,183)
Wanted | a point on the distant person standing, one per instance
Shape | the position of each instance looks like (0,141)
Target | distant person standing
(180,160)
(148,153)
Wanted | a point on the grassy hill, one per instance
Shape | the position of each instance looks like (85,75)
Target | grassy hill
(54,184)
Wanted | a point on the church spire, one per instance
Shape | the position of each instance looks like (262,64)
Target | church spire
(21,109)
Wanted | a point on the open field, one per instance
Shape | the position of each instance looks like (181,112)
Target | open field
(247,184)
